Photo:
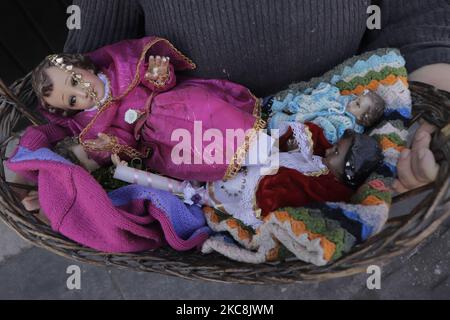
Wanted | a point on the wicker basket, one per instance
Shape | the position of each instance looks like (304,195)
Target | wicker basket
(400,234)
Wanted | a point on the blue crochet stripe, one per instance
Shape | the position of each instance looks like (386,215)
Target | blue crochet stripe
(366,230)
(43,154)
(403,111)
(391,168)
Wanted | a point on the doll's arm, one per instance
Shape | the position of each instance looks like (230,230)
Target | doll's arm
(158,74)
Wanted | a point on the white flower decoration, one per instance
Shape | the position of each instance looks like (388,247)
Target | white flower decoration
(131,116)
(188,193)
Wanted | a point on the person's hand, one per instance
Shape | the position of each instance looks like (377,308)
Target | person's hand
(117,161)
(417,166)
(158,68)
(100,143)
(31,201)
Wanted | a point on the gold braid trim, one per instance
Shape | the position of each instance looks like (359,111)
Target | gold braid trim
(257,107)
(311,148)
(319,173)
(239,156)
(114,146)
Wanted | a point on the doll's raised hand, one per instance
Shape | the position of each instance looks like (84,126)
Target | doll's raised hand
(158,69)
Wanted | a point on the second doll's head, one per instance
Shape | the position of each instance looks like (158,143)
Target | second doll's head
(58,89)
(367,108)
(353,158)
(71,150)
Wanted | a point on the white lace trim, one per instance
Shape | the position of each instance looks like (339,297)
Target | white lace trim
(303,160)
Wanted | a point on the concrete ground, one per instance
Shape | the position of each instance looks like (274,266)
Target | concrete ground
(27,272)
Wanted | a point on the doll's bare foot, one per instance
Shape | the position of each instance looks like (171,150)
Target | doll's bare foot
(158,68)
(31,201)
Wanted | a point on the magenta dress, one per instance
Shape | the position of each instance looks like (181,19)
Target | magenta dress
(181,122)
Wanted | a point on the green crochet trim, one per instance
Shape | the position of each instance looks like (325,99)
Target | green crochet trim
(370,76)
(393,137)
(367,190)
(376,176)
(321,226)
(328,76)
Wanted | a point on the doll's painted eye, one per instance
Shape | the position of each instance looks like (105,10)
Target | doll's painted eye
(73,101)
(74,82)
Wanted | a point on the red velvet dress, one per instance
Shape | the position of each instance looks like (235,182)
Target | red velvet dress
(290,188)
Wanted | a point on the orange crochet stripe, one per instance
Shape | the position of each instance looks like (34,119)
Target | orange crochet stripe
(273,254)
(232,223)
(374,84)
(212,215)
(372,201)
(299,228)
(242,233)
(386,143)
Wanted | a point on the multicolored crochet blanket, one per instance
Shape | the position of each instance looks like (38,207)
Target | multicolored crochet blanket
(322,233)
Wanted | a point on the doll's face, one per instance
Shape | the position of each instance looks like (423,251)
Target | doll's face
(335,156)
(361,106)
(67,94)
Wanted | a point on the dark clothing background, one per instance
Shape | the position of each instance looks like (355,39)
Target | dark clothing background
(30,30)
(268,44)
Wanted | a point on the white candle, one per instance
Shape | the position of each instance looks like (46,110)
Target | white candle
(147,179)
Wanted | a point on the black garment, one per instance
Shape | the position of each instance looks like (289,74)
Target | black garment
(268,44)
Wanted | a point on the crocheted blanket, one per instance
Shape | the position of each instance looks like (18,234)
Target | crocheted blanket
(322,233)
(129,219)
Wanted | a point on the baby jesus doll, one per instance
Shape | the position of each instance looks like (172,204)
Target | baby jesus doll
(126,99)
(329,109)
